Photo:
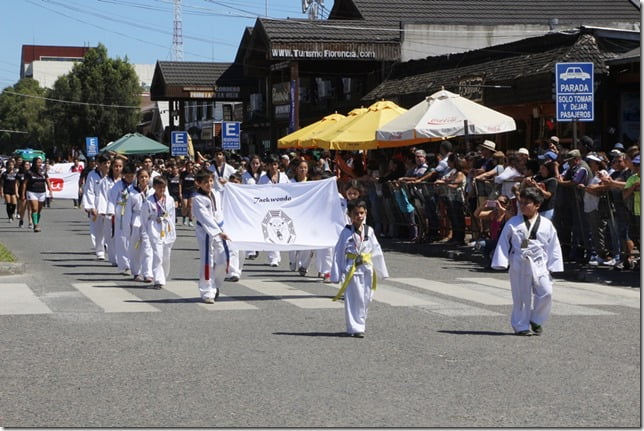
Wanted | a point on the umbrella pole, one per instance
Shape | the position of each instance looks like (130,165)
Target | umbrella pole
(467,135)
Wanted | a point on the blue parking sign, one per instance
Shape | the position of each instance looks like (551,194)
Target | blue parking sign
(230,135)
(91,146)
(575,83)
(179,143)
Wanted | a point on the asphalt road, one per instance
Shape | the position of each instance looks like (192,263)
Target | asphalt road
(439,351)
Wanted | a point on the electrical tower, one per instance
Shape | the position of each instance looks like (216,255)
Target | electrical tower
(313,8)
(177,33)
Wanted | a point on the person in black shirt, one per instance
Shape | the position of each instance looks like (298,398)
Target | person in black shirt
(10,188)
(173,179)
(35,188)
(22,198)
(187,189)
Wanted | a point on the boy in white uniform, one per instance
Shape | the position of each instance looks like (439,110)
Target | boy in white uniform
(273,176)
(102,203)
(117,200)
(157,216)
(90,202)
(211,239)
(357,260)
(528,243)
(140,248)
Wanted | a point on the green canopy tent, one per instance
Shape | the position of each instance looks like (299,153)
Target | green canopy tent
(136,143)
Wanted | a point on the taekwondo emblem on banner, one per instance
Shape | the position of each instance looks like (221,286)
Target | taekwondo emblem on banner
(289,216)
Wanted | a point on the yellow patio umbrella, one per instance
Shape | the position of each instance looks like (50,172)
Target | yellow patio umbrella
(295,139)
(310,140)
(359,132)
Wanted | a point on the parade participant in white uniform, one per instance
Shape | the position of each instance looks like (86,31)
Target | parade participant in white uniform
(157,217)
(221,169)
(358,261)
(140,248)
(528,243)
(299,260)
(273,176)
(211,239)
(237,257)
(102,202)
(116,202)
(90,204)
(251,176)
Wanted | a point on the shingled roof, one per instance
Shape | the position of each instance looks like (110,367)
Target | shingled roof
(300,30)
(499,64)
(190,72)
(570,13)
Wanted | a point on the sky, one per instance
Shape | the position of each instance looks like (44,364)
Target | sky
(140,30)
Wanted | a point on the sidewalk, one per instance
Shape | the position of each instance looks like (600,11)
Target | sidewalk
(573,271)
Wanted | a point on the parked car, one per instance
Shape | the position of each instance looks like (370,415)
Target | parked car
(29,154)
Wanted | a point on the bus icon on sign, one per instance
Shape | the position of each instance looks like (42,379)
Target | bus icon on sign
(574,73)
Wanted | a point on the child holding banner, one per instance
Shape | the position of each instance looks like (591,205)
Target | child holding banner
(211,239)
(140,248)
(358,258)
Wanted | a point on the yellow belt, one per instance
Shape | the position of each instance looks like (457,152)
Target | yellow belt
(366,258)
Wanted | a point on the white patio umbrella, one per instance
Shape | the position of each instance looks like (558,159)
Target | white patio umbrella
(445,114)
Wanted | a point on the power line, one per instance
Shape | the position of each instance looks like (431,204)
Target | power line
(70,101)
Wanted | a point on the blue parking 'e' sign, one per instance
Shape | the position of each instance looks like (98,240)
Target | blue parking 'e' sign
(91,146)
(575,84)
(230,132)
(179,143)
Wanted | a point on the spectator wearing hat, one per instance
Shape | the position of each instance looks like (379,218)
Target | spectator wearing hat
(586,144)
(547,156)
(631,195)
(615,183)
(569,219)
(594,192)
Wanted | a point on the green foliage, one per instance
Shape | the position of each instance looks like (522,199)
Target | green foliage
(19,112)
(6,255)
(98,80)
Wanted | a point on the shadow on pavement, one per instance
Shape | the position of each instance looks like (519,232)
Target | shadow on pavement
(491,333)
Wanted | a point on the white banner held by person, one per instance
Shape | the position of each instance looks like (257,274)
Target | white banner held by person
(289,216)
(64,185)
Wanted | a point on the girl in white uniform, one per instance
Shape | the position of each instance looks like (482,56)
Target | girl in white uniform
(211,239)
(358,260)
(116,202)
(252,176)
(140,248)
(273,176)
(529,245)
(157,217)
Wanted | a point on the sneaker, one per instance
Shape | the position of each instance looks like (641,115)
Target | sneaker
(190,224)
(594,260)
(36,229)
(536,328)
(525,333)
(147,280)
(358,335)
(100,257)
(157,286)
(185,223)
(610,262)
(302,271)
(126,271)
(137,278)
(233,278)
(273,265)
(209,300)
(21,223)
(216,294)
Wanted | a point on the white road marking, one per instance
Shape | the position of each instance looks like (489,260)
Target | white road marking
(113,298)
(18,298)
(292,295)
(190,290)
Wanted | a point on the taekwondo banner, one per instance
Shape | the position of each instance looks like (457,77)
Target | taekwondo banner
(288,216)
(64,185)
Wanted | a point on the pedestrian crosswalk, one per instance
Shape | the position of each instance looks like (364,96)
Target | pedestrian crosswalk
(464,296)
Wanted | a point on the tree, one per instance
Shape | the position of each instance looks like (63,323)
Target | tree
(96,84)
(21,113)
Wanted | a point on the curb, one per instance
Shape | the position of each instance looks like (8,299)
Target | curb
(12,268)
